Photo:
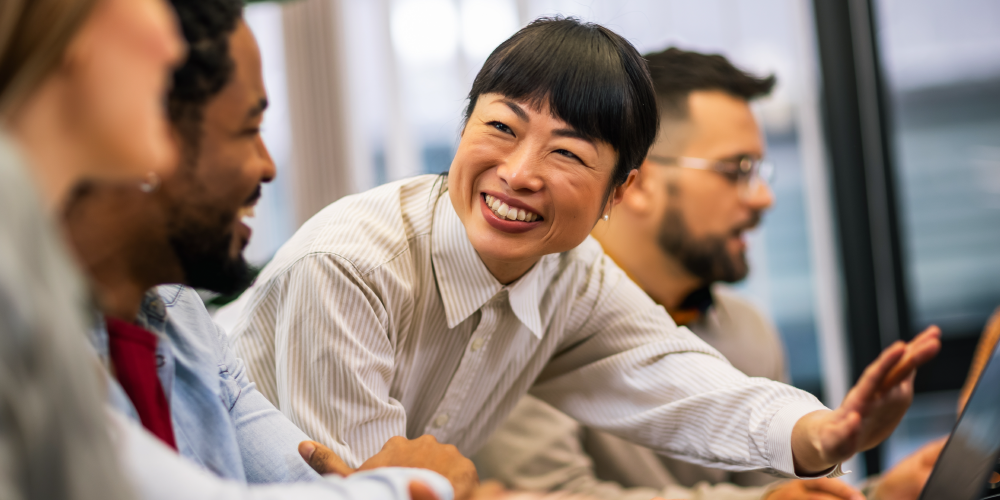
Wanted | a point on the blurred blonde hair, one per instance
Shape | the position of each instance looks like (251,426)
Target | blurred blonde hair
(34,35)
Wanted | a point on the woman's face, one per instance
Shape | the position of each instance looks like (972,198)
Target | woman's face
(118,69)
(513,157)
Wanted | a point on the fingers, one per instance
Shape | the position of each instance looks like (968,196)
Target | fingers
(322,459)
(420,491)
(871,379)
(920,350)
(834,488)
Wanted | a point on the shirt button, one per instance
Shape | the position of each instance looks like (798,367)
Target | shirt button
(159,308)
(441,420)
(477,344)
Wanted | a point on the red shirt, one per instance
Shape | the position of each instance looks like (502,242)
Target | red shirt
(133,354)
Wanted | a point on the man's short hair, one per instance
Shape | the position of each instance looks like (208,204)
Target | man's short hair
(207,25)
(676,73)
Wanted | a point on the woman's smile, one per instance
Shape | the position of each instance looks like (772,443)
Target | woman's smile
(508,215)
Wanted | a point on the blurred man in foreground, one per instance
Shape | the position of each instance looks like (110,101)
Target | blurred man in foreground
(679,232)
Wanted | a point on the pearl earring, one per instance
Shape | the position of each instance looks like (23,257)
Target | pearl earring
(150,184)
(605,217)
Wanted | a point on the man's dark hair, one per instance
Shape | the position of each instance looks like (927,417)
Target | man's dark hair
(676,73)
(592,78)
(207,25)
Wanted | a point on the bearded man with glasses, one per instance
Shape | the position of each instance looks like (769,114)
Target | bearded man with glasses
(679,231)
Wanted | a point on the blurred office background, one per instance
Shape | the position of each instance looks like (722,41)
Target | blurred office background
(884,128)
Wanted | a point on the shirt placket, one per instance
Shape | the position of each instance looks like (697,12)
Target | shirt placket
(155,321)
(165,365)
(452,412)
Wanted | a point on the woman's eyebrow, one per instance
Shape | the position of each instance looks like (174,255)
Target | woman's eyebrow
(517,109)
(573,134)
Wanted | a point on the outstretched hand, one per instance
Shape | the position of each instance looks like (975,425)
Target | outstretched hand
(869,412)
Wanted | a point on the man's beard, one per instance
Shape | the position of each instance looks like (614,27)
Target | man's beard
(202,239)
(706,258)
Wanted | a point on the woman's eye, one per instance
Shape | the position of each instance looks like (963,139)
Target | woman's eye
(251,132)
(568,154)
(501,127)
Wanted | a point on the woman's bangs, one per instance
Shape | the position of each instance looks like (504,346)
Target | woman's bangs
(591,78)
(580,80)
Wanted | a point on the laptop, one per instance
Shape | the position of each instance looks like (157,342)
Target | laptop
(967,468)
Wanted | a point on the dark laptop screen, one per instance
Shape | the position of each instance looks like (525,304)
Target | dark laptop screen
(963,472)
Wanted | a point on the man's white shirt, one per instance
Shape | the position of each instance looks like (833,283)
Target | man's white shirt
(378,319)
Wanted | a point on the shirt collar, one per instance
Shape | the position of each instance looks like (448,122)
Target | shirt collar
(153,313)
(152,316)
(700,300)
(526,296)
(464,282)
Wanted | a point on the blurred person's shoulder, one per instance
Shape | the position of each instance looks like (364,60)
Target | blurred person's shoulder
(729,305)
(366,229)
(15,241)
(743,332)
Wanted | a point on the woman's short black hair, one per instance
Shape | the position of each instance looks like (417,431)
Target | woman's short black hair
(592,78)
(207,25)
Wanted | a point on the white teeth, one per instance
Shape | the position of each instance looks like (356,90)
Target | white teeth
(246,212)
(505,211)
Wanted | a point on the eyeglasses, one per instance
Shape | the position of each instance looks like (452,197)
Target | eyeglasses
(747,173)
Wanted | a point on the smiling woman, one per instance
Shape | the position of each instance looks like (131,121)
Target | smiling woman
(559,116)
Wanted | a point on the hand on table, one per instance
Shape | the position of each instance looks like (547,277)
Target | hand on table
(869,412)
(423,453)
(906,480)
(814,489)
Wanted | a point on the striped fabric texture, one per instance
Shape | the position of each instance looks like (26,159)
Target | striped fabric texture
(378,319)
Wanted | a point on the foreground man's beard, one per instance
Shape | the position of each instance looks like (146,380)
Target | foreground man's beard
(706,258)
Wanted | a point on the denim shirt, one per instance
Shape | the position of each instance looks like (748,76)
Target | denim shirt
(221,421)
